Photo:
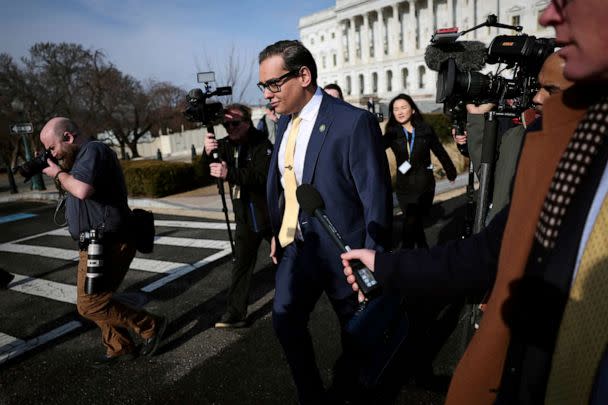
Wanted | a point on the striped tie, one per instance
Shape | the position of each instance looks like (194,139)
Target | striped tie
(290,215)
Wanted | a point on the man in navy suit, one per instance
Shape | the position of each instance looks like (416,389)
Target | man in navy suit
(337,148)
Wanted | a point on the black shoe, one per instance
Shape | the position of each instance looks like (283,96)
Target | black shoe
(229,321)
(107,361)
(151,344)
(5,278)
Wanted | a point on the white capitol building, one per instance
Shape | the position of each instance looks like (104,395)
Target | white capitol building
(375,48)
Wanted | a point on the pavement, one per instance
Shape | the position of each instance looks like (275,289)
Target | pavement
(203,202)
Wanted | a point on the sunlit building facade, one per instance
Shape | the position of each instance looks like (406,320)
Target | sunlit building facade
(375,48)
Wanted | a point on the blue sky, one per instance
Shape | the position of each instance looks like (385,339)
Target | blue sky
(154,39)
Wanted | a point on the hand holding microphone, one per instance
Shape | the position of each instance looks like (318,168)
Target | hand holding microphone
(312,203)
(354,260)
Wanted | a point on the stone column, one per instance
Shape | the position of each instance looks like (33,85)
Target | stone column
(352,52)
(411,27)
(381,34)
(344,43)
(340,55)
(393,36)
(365,38)
(451,15)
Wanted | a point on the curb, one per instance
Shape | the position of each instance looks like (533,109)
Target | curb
(444,190)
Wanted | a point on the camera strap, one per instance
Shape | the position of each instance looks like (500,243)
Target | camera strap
(59,207)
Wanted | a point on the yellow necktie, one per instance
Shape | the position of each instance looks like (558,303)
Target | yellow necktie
(583,332)
(290,215)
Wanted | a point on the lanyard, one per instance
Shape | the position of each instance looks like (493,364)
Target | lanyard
(410,145)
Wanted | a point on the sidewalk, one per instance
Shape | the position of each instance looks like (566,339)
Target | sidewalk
(203,202)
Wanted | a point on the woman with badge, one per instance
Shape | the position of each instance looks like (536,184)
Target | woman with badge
(411,139)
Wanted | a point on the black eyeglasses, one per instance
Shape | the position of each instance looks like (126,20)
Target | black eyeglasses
(231,124)
(274,85)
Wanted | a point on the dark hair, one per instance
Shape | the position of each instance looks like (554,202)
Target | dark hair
(294,54)
(245,110)
(416,119)
(334,86)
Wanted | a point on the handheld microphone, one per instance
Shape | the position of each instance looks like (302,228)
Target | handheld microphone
(469,56)
(312,203)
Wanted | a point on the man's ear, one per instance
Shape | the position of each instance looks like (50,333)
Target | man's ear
(68,137)
(305,76)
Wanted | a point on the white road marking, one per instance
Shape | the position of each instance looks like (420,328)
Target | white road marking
(44,288)
(194,224)
(11,351)
(170,241)
(179,272)
(11,347)
(150,265)
(44,251)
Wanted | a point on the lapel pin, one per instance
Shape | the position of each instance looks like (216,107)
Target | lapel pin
(322,128)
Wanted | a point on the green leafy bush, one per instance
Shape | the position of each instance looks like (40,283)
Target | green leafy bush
(441,125)
(156,178)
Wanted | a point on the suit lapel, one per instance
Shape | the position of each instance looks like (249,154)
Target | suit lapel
(317,137)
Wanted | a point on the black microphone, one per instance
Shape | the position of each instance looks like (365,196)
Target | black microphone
(312,203)
(469,56)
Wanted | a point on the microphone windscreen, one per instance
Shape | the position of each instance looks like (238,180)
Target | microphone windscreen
(309,198)
(470,56)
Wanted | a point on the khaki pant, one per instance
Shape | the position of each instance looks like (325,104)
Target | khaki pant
(113,317)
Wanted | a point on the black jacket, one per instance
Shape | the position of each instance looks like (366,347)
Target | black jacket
(419,179)
(249,173)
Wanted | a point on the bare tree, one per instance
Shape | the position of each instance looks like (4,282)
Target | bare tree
(69,80)
(235,70)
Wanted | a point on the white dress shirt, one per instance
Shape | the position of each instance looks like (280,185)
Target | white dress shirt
(309,116)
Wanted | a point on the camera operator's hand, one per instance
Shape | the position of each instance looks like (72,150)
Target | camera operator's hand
(460,139)
(52,170)
(365,256)
(210,143)
(480,109)
(219,170)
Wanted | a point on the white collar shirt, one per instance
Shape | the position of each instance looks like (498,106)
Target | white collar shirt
(309,116)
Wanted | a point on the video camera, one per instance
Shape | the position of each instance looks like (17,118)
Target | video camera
(199,109)
(458,63)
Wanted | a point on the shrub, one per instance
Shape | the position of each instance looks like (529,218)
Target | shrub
(156,178)
(441,125)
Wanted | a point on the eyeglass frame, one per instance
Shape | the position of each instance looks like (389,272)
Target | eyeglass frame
(277,82)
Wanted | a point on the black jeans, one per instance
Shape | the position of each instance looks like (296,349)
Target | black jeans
(247,244)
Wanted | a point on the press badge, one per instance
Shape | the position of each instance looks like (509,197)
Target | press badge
(405,166)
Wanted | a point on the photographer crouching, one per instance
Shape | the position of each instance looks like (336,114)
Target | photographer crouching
(245,158)
(97,215)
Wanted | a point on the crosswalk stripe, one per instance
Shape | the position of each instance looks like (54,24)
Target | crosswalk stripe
(177,273)
(194,224)
(44,251)
(19,347)
(171,241)
(44,288)
(11,347)
(150,265)
(157,266)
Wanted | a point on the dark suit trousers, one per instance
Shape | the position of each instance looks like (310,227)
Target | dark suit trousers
(246,248)
(300,280)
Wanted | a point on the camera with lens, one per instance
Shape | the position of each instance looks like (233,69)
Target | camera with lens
(95,278)
(458,64)
(36,165)
(199,109)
